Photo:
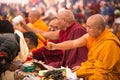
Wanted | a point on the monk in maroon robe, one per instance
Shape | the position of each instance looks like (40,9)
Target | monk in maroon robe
(49,57)
(73,57)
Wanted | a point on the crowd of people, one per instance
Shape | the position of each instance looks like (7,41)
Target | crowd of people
(83,37)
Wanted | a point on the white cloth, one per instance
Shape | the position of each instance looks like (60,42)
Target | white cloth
(70,75)
(22,55)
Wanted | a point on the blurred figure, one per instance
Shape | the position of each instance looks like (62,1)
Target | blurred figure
(104,10)
(49,57)
(49,14)
(28,39)
(116,27)
(25,40)
(9,49)
(53,25)
(10,44)
(35,23)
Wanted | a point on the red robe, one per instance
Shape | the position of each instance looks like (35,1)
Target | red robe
(73,57)
(52,58)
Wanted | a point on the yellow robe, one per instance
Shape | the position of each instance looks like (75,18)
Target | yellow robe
(103,58)
(40,25)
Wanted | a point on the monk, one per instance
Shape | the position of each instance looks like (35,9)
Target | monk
(103,61)
(35,23)
(69,30)
(48,56)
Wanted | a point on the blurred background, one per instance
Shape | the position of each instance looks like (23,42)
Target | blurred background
(47,8)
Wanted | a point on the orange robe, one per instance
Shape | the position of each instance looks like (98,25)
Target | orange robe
(40,25)
(103,58)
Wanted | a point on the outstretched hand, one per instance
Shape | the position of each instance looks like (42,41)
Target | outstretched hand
(75,68)
(23,23)
(50,46)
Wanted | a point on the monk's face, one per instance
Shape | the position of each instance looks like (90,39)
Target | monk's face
(61,21)
(31,18)
(116,27)
(92,29)
(53,25)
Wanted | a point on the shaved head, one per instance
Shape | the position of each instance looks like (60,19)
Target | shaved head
(97,19)
(35,13)
(34,16)
(67,15)
(95,25)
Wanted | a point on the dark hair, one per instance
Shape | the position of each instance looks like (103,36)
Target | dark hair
(32,36)
(6,27)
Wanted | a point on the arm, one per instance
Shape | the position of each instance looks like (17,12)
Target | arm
(52,35)
(28,28)
(48,35)
(82,41)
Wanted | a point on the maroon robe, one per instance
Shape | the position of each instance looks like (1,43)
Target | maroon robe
(52,58)
(73,57)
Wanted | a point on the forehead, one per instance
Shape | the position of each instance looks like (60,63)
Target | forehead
(60,15)
(90,22)
(31,13)
(53,22)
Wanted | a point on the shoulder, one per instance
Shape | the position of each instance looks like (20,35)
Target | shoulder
(7,35)
(111,43)
(77,27)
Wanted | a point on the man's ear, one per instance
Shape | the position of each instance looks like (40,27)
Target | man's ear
(27,40)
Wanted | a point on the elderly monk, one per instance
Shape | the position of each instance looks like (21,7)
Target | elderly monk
(103,61)
(69,30)
(48,56)
(35,24)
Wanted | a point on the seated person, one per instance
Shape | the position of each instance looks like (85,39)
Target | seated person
(49,57)
(35,23)
(116,27)
(8,44)
(9,49)
(31,39)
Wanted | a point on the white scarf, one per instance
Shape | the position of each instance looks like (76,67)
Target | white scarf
(22,55)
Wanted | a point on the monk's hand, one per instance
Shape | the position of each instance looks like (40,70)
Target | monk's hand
(50,46)
(75,68)
(23,23)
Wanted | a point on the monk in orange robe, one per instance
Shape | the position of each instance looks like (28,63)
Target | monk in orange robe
(103,61)
(36,24)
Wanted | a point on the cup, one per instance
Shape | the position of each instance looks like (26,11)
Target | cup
(16,20)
